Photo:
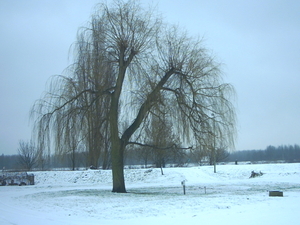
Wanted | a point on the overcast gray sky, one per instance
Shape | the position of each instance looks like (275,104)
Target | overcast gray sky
(258,42)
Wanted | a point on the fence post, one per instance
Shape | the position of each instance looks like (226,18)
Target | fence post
(183,185)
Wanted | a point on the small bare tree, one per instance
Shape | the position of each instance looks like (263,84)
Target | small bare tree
(27,155)
(221,154)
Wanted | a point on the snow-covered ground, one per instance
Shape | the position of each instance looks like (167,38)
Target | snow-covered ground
(225,197)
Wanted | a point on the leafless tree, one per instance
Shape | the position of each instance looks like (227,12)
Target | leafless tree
(75,110)
(159,136)
(141,63)
(198,155)
(27,155)
(221,154)
(144,154)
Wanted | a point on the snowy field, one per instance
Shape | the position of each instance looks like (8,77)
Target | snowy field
(227,197)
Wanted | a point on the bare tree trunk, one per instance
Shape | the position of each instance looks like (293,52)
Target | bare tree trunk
(118,167)
(73,158)
(106,153)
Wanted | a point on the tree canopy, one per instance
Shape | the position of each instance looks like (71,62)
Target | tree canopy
(131,70)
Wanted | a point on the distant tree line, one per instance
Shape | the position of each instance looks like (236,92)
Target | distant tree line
(9,162)
(144,156)
(287,153)
(150,157)
(13,162)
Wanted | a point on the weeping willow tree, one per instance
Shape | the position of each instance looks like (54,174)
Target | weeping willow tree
(128,64)
(75,109)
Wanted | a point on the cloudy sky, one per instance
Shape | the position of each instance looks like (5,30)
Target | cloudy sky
(257,41)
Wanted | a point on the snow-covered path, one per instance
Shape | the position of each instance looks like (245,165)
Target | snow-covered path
(227,197)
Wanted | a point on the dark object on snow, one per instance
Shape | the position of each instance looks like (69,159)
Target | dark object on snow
(254,174)
(22,183)
(183,186)
(275,194)
(93,167)
(148,171)
(16,178)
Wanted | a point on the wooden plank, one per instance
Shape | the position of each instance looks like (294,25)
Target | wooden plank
(275,193)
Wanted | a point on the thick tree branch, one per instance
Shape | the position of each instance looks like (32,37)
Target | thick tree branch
(146,106)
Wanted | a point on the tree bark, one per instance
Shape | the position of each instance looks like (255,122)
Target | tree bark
(118,167)
(117,146)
